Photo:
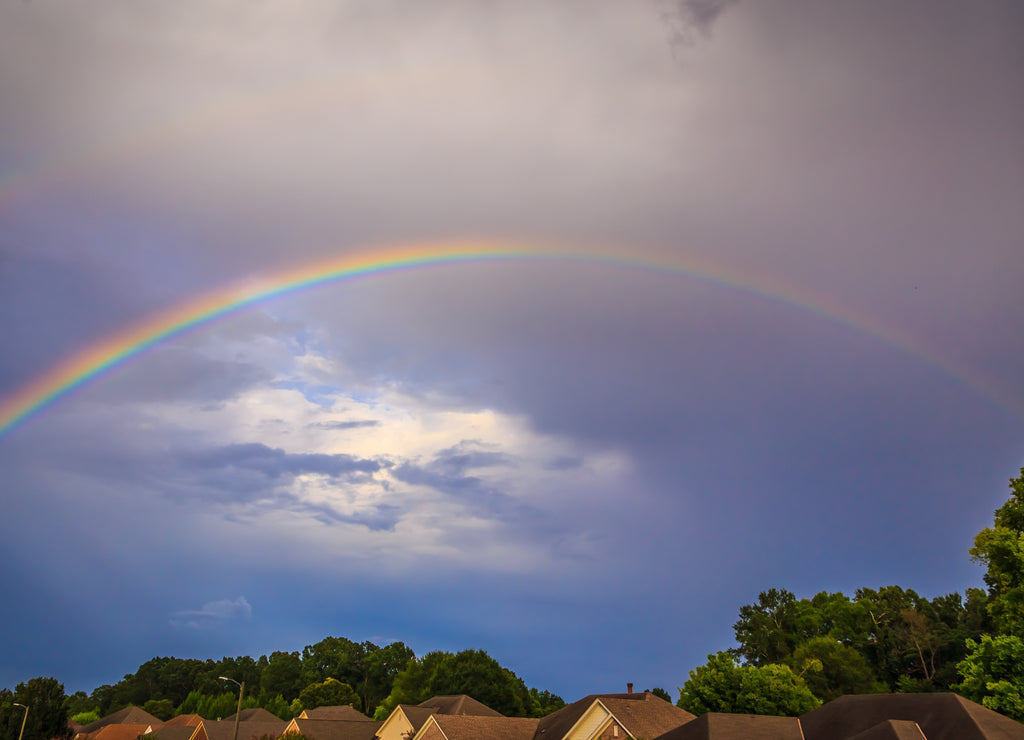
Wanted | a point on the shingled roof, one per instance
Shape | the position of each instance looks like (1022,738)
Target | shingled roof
(126,716)
(470,727)
(247,730)
(255,714)
(892,729)
(336,729)
(341,712)
(941,716)
(720,726)
(642,715)
(458,704)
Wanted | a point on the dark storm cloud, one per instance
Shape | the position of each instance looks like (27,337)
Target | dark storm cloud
(276,463)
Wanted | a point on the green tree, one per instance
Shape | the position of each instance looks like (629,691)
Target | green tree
(543,703)
(993,674)
(283,675)
(831,669)
(47,717)
(329,693)
(768,631)
(1000,549)
(722,685)
(471,672)
(162,709)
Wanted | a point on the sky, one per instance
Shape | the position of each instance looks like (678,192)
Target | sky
(693,299)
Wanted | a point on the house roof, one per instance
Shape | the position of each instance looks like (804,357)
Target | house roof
(247,730)
(474,727)
(337,729)
(255,714)
(126,716)
(185,720)
(892,729)
(641,714)
(343,712)
(720,726)
(458,704)
(416,715)
(120,731)
(174,732)
(941,716)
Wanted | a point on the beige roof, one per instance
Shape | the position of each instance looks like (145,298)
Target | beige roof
(642,715)
(470,727)
(338,729)
(342,712)
(720,726)
(941,716)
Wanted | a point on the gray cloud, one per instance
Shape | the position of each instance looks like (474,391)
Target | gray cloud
(343,425)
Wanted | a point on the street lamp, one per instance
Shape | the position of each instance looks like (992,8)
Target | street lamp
(22,719)
(238,714)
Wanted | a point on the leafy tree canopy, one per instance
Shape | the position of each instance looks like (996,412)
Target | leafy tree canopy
(47,717)
(1001,549)
(722,685)
(993,674)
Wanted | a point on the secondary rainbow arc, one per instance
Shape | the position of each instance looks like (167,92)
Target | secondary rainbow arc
(96,359)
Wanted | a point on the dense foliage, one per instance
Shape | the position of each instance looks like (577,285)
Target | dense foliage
(723,685)
(46,717)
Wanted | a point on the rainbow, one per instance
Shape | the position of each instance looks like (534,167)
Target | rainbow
(98,358)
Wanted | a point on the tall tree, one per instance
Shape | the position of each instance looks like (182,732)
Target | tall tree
(993,674)
(722,685)
(1000,548)
(47,717)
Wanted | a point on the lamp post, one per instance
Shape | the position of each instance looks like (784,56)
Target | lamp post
(25,717)
(238,714)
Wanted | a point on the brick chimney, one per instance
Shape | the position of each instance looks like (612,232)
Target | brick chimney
(629,688)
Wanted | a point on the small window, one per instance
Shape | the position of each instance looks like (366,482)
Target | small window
(615,730)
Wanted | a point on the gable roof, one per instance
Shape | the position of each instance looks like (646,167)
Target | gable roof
(343,712)
(458,704)
(336,729)
(474,727)
(254,714)
(121,731)
(720,726)
(186,720)
(642,715)
(177,732)
(941,716)
(126,716)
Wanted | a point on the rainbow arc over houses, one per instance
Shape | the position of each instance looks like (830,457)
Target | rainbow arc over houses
(99,357)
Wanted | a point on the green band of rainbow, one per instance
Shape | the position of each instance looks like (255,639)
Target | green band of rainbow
(99,357)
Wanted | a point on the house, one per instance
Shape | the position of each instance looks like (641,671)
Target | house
(252,729)
(940,716)
(126,716)
(609,716)
(406,720)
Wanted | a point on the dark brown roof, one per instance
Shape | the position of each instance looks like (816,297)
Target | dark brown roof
(255,714)
(224,729)
(642,715)
(338,729)
(174,732)
(719,726)
(458,704)
(126,716)
(892,729)
(941,716)
(343,712)
(472,727)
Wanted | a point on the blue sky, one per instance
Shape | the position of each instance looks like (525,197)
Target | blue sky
(583,469)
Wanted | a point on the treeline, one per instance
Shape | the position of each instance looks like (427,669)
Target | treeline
(793,654)
(332,672)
